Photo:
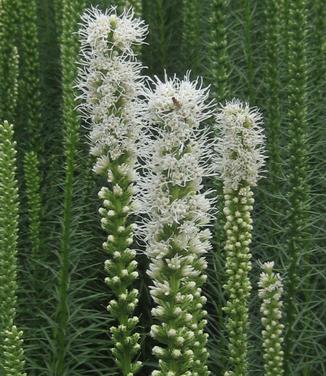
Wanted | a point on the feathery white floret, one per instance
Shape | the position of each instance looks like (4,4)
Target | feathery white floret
(110,82)
(240,144)
(109,33)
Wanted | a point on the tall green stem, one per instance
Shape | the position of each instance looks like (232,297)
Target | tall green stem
(33,193)
(72,10)
(8,59)
(272,86)
(298,195)
(219,64)
(248,49)
(191,42)
(29,102)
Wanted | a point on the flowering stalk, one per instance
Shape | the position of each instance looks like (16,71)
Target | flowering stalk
(240,158)
(30,108)
(247,16)
(11,352)
(219,72)
(192,34)
(272,86)
(33,193)
(8,59)
(111,83)
(219,63)
(270,291)
(177,209)
(71,10)
(297,230)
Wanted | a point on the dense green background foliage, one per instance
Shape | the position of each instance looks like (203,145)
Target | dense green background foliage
(271,53)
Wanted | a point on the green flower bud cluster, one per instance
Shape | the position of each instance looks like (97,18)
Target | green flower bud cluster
(238,227)
(270,291)
(8,59)
(121,267)
(11,352)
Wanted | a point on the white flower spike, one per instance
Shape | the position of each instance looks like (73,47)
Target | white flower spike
(240,144)
(177,208)
(240,157)
(111,83)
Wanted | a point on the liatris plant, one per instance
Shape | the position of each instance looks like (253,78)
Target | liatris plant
(71,11)
(272,87)
(171,197)
(297,230)
(11,352)
(270,291)
(34,200)
(219,64)
(30,119)
(8,59)
(192,34)
(240,150)
(111,83)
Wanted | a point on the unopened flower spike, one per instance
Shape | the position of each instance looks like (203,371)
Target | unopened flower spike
(177,212)
(270,291)
(111,82)
(240,158)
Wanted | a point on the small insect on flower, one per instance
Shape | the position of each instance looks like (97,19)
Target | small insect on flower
(176,102)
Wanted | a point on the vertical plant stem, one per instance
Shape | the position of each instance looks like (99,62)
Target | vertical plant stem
(219,64)
(191,43)
(248,50)
(33,193)
(72,10)
(29,101)
(272,86)
(298,195)
(11,352)
(219,72)
(8,59)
